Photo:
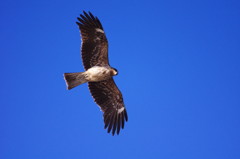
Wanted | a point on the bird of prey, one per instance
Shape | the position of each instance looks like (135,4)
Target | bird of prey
(98,73)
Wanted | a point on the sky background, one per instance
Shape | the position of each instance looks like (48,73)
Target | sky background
(179,72)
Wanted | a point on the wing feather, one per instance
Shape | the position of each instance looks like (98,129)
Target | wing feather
(109,98)
(94,41)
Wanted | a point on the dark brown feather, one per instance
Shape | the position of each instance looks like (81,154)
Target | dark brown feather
(94,42)
(109,98)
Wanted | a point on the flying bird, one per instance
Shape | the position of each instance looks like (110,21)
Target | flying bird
(98,73)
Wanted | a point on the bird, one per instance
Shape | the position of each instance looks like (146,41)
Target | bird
(98,73)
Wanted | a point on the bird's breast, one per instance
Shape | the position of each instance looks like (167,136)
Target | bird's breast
(98,73)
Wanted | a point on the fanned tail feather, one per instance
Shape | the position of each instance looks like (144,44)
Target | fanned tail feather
(74,79)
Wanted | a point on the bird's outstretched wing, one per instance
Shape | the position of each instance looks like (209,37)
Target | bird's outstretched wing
(107,95)
(94,41)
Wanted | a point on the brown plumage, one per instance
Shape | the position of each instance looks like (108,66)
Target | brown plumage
(94,42)
(98,73)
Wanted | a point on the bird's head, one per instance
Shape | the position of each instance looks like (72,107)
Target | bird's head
(114,72)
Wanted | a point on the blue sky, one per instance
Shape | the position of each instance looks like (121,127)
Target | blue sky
(179,72)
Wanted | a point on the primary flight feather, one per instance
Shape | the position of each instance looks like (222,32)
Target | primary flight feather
(98,73)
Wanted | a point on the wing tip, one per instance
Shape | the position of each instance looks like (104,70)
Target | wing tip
(88,19)
(115,121)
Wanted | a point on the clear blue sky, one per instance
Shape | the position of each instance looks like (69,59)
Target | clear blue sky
(179,72)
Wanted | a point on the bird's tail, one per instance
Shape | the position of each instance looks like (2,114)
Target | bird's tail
(74,79)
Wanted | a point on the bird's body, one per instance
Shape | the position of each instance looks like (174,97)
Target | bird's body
(93,74)
(98,73)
